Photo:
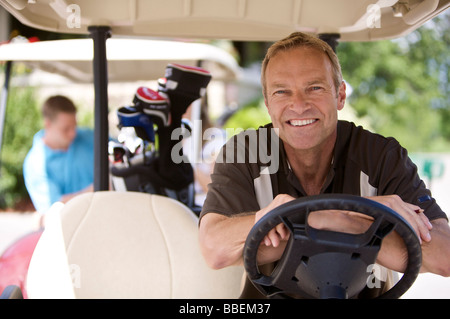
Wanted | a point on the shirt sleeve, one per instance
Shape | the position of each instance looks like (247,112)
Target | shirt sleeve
(231,190)
(398,175)
(41,190)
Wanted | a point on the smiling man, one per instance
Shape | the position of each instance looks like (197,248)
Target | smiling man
(303,91)
(303,100)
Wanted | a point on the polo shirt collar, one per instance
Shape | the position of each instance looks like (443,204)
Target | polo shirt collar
(286,170)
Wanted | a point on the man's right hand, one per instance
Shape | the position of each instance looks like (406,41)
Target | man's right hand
(280,232)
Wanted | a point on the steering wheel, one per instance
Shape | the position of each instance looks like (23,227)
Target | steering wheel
(327,264)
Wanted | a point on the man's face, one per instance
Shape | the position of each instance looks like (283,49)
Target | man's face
(301,98)
(62,130)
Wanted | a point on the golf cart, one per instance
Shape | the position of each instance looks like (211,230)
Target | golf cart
(142,60)
(133,60)
(239,20)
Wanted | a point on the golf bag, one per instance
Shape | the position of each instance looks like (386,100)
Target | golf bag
(149,166)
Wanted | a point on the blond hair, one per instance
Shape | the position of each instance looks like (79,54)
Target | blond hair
(299,40)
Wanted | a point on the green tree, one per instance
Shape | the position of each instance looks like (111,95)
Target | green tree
(402,85)
(22,121)
(251,115)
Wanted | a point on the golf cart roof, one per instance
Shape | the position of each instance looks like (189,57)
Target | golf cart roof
(259,20)
(128,59)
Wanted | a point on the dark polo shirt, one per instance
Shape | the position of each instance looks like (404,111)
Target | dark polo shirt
(364,164)
(252,169)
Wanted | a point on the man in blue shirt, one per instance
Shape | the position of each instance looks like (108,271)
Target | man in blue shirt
(59,165)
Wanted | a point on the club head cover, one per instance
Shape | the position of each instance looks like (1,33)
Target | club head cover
(183,85)
(130,116)
(117,152)
(162,85)
(154,104)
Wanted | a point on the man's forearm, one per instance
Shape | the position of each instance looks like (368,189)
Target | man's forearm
(222,240)
(436,252)
(392,253)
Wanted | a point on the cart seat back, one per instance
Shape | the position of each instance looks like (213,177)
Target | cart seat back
(125,245)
